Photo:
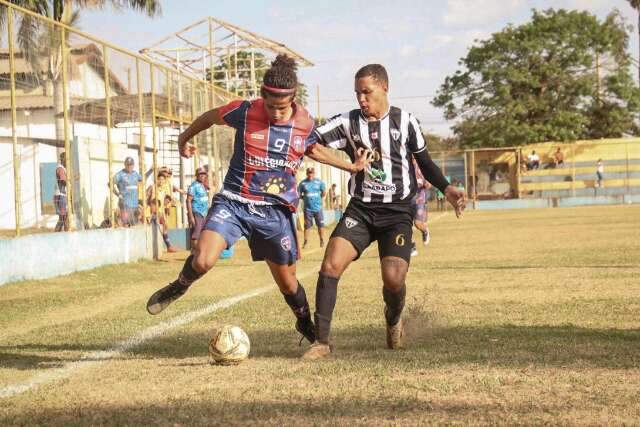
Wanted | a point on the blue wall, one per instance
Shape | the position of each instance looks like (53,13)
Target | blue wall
(40,256)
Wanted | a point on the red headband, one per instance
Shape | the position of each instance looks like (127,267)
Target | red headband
(279,91)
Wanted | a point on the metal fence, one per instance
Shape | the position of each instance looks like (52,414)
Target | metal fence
(99,104)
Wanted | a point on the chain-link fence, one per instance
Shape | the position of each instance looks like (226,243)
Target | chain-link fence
(87,128)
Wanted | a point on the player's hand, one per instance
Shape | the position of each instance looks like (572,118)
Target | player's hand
(365,157)
(187,149)
(457,198)
(192,221)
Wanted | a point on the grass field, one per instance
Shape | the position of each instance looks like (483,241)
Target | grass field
(515,317)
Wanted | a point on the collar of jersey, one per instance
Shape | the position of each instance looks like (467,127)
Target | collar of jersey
(377,120)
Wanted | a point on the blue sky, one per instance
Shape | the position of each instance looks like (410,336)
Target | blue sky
(420,42)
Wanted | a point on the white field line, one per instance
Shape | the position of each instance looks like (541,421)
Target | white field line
(98,357)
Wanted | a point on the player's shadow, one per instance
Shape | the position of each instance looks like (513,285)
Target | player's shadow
(508,346)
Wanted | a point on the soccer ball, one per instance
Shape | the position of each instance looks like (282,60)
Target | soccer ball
(229,345)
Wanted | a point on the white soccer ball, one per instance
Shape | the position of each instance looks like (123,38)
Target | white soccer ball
(229,345)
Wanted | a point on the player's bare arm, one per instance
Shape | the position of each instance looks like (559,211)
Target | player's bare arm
(324,155)
(205,121)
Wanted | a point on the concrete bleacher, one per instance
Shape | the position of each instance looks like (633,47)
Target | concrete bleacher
(620,158)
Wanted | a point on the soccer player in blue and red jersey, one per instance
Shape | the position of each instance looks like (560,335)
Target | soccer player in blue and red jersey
(259,193)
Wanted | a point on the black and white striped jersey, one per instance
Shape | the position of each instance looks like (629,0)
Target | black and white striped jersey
(394,138)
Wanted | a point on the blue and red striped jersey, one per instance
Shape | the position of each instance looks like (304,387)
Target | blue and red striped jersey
(266,156)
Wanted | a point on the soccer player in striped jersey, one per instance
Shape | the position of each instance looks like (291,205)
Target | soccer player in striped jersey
(259,193)
(381,200)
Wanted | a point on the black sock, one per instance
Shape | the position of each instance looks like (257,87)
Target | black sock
(326,293)
(298,303)
(395,304)
(188,275)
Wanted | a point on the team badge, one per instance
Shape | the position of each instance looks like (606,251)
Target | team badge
(395,134)
(350,222)
(297,142)
(356,138)
(285,242)
(257,136)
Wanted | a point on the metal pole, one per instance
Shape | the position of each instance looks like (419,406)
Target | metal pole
(573,170)
(169,95)
(107,94)
(196,159)
(518,166)
(466,173)
(473,177)
(254,85)
(208,143)
(155,137)
(14,131)
(235,60)
(67,139)
(142,141)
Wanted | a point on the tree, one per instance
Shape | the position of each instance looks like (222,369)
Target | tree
(36,39)
(224,75)
(636,5)
(543,81)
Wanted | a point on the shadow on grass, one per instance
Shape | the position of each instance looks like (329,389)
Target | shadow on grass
(506,346)
(533,267)
(224,410)
(502,346)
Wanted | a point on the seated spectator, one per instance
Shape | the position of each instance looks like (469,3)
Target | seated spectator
(558,158)
(533,161)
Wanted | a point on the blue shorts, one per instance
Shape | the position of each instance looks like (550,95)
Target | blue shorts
(60,203)
(420,206)
(268,229)
(309,216)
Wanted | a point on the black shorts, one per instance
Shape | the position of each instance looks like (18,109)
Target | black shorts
(391,224)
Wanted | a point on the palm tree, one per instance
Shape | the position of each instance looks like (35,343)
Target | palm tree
(636,5)
(38,40)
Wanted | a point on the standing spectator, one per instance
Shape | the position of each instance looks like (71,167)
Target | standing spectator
(197,204)
(558,158)
(599,172)
(534,161)
(334,196)
(60,196)
(158,206)
(126,188)
(312,190)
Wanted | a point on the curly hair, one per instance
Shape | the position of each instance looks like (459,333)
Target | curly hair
(281,75)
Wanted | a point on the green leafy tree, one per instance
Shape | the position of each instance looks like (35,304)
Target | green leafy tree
(224,75)
(636,5)
(564,75)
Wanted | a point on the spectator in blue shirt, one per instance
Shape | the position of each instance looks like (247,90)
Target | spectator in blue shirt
(312,191)
(198,204)
(126,188)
